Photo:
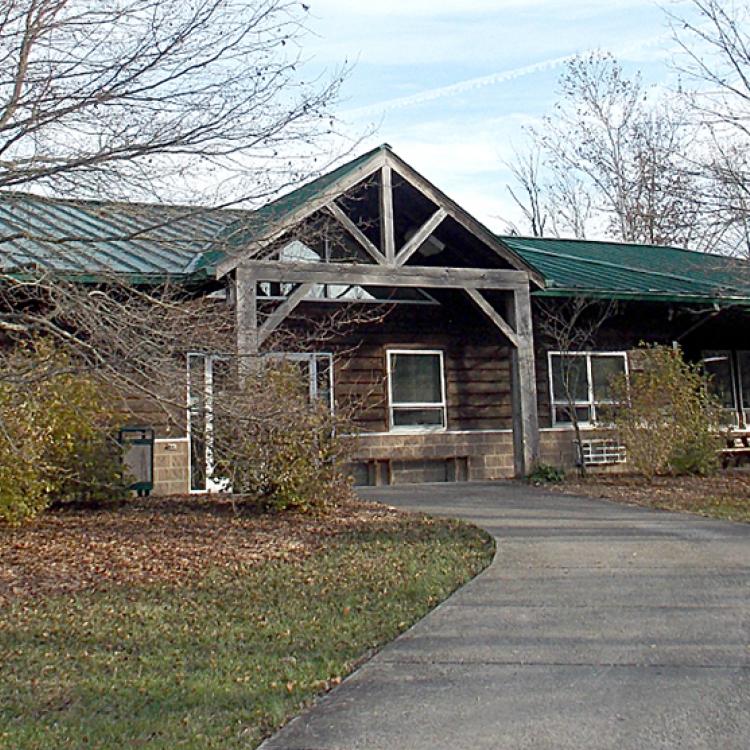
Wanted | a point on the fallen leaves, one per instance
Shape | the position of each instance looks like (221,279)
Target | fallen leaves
(163,540)
(724,495)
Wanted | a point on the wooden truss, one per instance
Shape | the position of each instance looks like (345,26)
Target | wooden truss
(388,269)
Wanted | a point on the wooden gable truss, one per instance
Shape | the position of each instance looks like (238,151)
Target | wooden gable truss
(388,268)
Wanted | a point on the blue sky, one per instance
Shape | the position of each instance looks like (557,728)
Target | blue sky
(451,83)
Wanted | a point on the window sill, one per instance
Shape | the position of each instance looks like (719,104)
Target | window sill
(415,430)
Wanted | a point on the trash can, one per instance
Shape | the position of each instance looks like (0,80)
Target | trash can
(138,455)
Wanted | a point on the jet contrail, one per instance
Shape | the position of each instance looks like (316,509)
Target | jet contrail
(455,88)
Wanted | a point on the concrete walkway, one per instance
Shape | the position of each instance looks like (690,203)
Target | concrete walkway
(597,626)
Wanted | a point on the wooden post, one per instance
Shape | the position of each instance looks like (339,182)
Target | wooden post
(387,233)
(523,378)
(246,321)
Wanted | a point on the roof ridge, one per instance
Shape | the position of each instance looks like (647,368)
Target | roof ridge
(608,264)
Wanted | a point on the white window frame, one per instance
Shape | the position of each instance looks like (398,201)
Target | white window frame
(739,412)
(441,405)
(312,359)
(591,403)
(212,485)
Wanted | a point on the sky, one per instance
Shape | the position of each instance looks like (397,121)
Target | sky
(451,84)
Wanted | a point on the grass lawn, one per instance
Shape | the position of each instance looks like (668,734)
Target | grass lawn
(169,624)
(725,495)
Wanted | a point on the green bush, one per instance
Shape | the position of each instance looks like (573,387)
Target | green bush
(666,417)
(546,474)
(275,448)
(56,441)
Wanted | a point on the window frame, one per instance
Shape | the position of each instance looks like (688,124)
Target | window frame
(441,406)
(209,360)
(312,359)
(592,402)
(739,411)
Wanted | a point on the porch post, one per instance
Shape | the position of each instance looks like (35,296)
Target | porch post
(246,321)
(523,380)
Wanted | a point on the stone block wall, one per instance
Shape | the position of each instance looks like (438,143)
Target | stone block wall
(171,466)
(433,457)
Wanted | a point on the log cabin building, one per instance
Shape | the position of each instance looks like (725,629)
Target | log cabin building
(458,379)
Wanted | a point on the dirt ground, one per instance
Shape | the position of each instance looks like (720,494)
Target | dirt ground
(723,495)
(163,540)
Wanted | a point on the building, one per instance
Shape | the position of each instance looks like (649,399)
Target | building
(458,378)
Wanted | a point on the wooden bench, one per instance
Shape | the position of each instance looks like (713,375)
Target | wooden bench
(380,470)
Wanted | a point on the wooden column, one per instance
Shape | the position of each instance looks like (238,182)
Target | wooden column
(523,378)
(246,321)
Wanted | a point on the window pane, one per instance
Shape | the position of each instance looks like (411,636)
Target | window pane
(415,378)
(718,365)
(323,386)
(418,417)
(569,380)
(563,415)
(744,359)
(604,370)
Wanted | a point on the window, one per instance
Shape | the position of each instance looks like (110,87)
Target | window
(316,370)
(730,382)
(208,375)
(585,379)
(416,389)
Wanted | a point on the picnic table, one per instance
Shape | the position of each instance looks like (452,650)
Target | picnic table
(737,448)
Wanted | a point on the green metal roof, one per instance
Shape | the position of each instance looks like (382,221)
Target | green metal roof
(619,270)
(88,239)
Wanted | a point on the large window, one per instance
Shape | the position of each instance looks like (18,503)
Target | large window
(730,382)
(316,373)
(208,375)
(581,381)
(416,390)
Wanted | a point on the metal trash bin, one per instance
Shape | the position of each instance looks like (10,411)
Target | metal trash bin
(138,455)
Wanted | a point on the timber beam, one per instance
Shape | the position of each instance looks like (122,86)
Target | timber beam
(277,317)
(421,236)
(363,240)
(494,316)
(376,275)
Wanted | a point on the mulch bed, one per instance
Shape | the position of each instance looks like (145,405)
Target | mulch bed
(723,495)
(170,540)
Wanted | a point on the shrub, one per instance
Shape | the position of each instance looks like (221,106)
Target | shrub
(667,419)
(56,442)
(546,474)
(275,448)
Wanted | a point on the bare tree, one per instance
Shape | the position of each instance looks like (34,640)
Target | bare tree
(571,325)
(714,38)
(161,99)
(529,192)
(143,98)
(614,161)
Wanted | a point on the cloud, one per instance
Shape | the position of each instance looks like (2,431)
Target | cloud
(454,89)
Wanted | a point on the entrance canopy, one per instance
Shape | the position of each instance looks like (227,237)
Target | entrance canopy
(377,224)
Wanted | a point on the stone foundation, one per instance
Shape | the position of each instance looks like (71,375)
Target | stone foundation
(432,457)
(171,466)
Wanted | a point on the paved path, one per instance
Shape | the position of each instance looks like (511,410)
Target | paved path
(597,626)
